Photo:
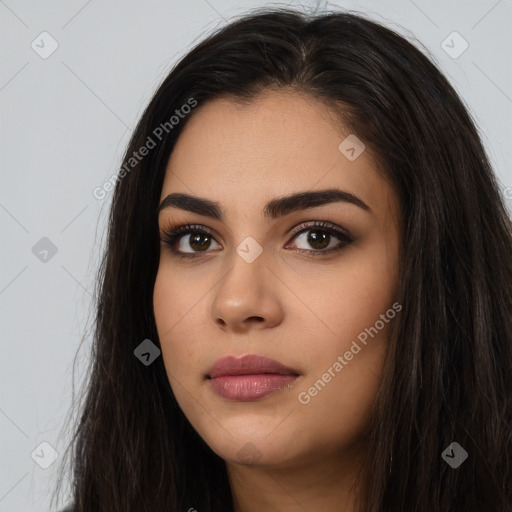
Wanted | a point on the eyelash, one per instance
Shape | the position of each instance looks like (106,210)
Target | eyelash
(171,235)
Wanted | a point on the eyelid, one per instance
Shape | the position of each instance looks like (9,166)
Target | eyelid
(172,233)
(321,225)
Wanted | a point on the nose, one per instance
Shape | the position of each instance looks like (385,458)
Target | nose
(248,296)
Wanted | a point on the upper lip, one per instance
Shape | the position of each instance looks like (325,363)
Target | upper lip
(248,365)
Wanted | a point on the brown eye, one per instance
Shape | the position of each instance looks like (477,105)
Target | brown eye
(317,239)
(189,239)
(200,241)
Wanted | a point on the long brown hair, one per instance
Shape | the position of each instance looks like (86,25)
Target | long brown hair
(447,373)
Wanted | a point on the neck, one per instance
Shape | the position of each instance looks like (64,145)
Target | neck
(327,484)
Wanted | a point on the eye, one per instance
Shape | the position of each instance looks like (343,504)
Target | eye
(193,240)
(319,236)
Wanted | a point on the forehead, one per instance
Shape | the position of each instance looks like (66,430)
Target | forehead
(279,143)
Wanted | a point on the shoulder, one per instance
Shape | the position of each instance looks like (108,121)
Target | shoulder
(69,508)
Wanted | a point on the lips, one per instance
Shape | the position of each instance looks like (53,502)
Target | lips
(250,377)
(248,365)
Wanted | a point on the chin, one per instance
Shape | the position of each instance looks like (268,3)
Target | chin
(252,447)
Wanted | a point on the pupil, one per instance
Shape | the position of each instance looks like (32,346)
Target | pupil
(318,239)
(196,240)
(314,238)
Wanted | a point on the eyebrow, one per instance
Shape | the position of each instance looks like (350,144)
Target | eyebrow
(273,209)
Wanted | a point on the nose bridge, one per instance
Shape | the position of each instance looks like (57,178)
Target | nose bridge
(248,266)
(245,291)
(246,241)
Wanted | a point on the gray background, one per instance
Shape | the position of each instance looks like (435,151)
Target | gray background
(65,122)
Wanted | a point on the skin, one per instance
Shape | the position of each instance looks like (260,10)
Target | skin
(300,310)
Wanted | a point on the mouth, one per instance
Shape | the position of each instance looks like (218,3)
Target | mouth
(249,378)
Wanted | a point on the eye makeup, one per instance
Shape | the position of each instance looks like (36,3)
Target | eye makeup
(172,234)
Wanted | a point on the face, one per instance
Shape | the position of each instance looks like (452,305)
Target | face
(308,283)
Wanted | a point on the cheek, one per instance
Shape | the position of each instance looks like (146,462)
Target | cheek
(175,299)
(351,298)
(174,306)
(177,307)
(353,320)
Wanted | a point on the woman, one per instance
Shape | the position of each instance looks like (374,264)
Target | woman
(305,299)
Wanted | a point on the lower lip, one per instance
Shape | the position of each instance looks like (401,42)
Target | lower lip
(245,388)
